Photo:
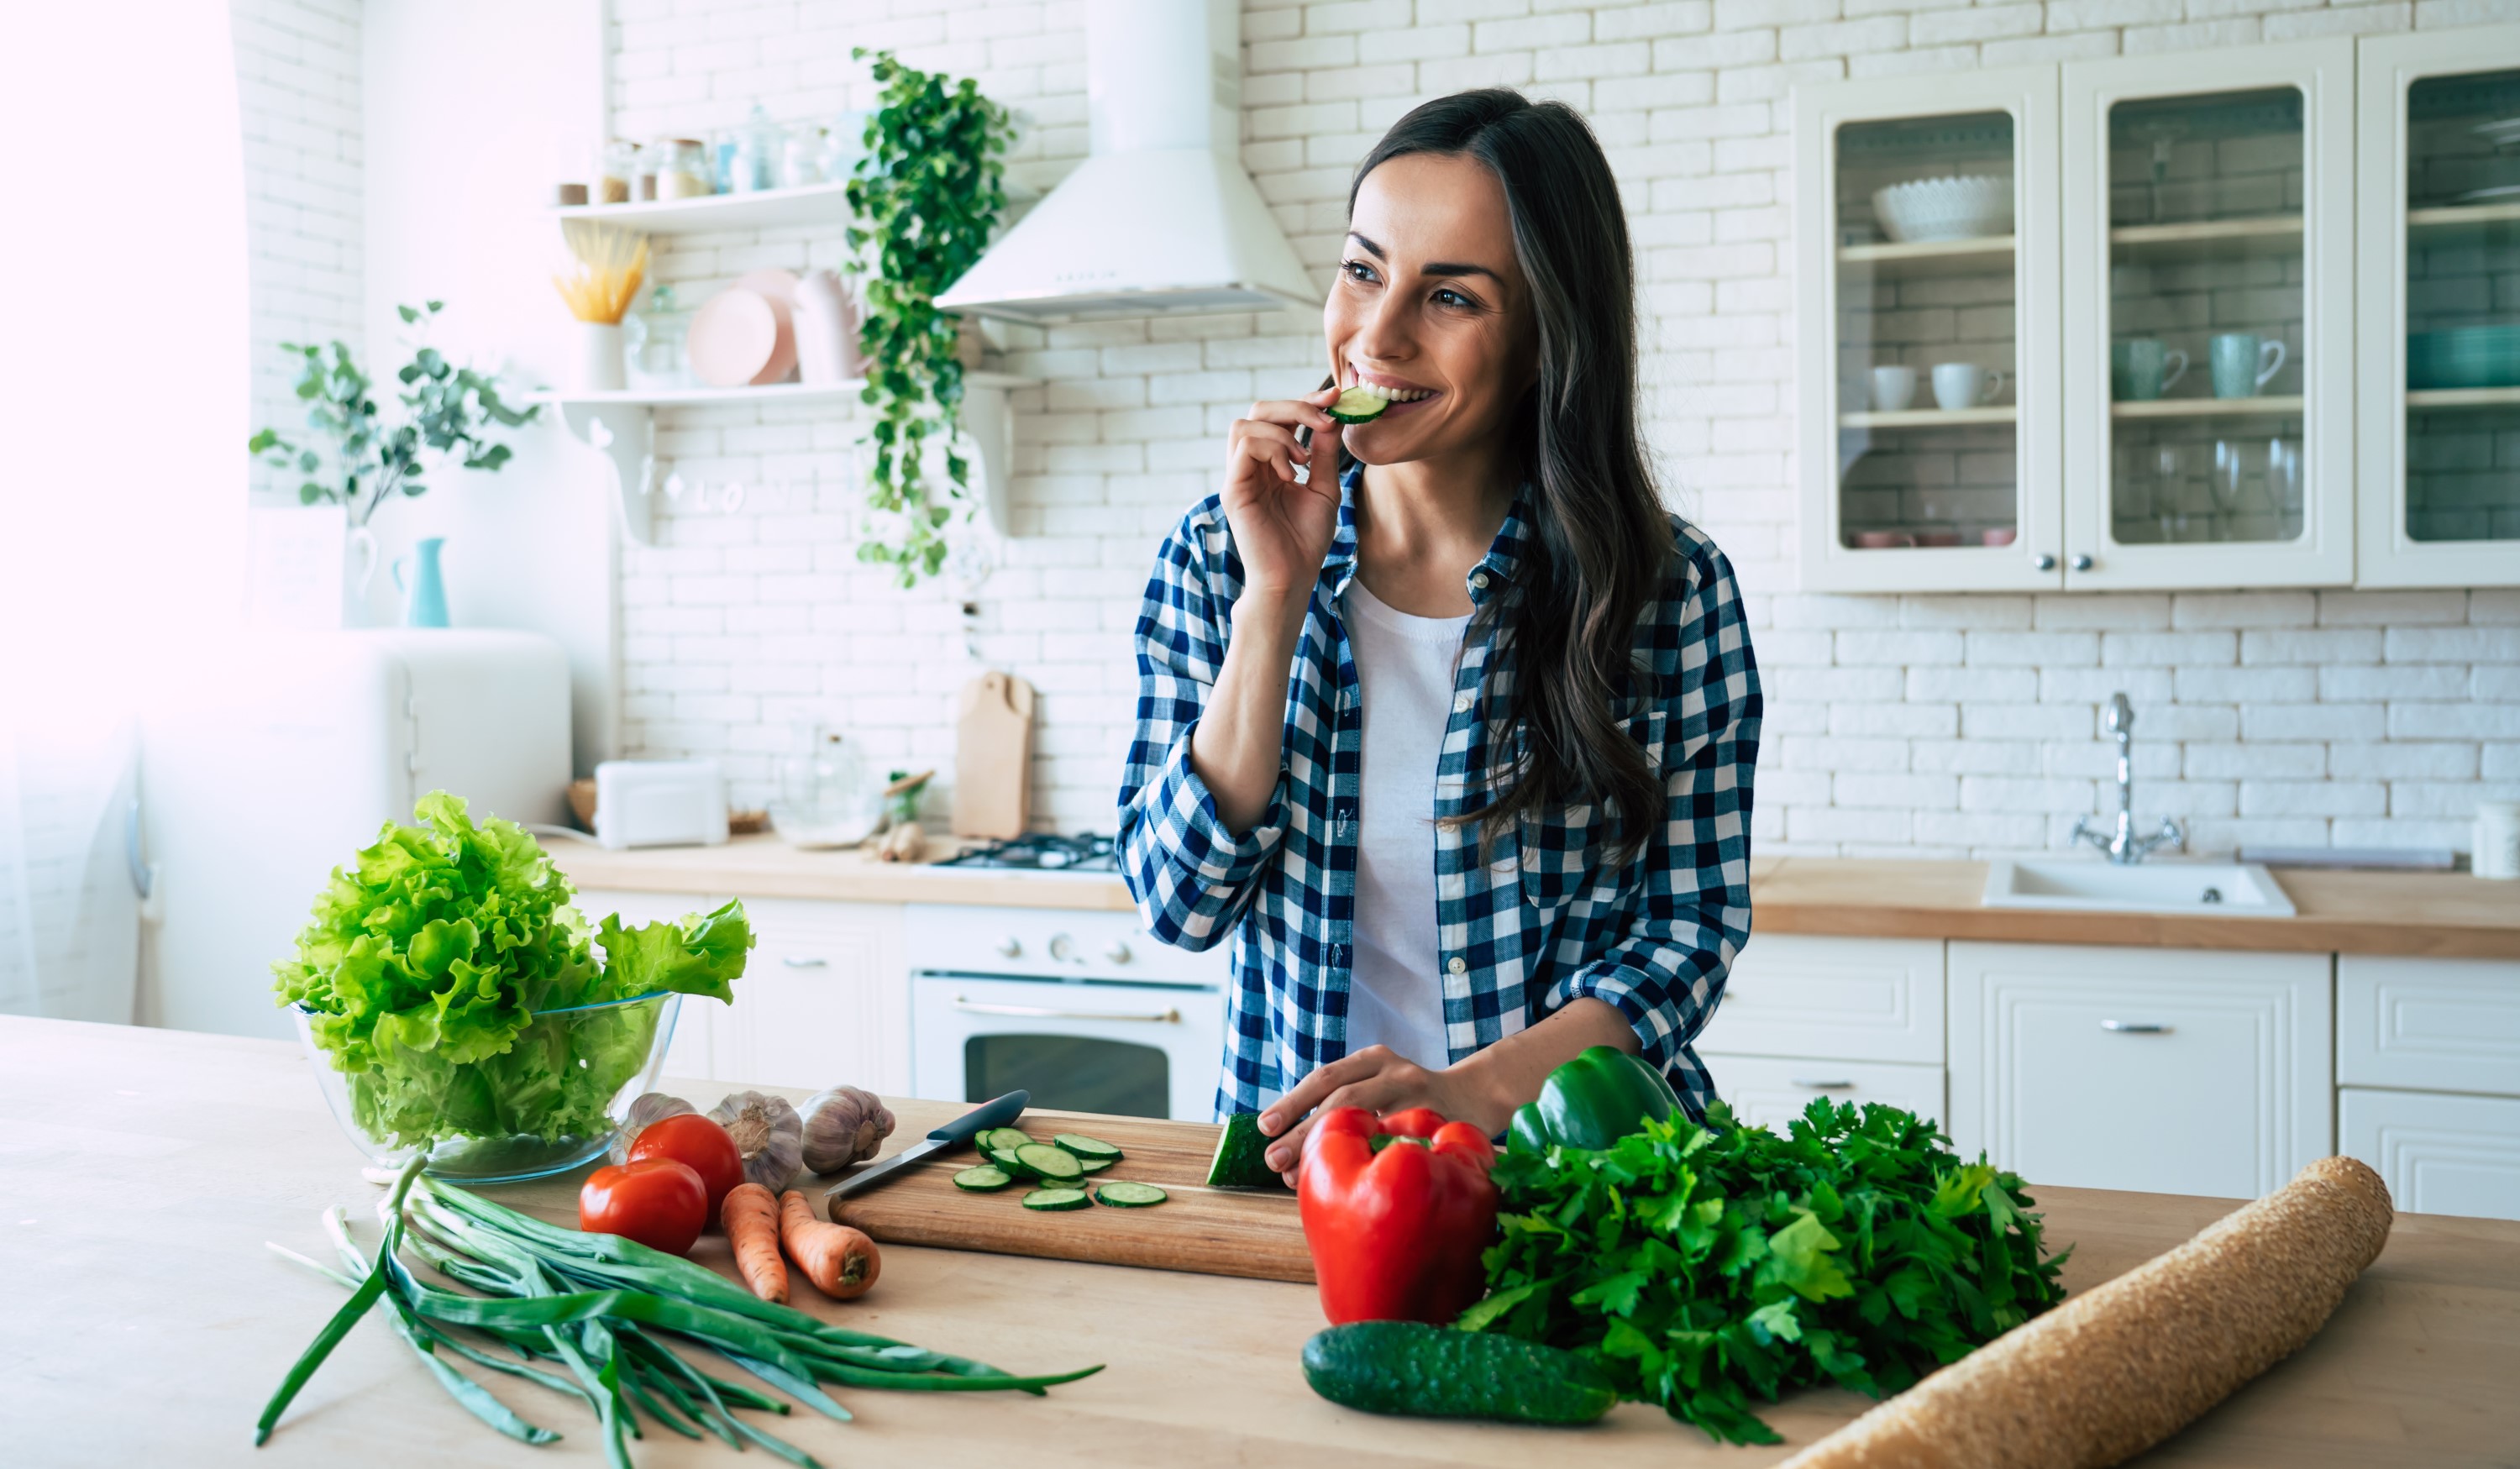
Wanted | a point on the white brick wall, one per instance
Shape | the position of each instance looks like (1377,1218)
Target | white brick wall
(1944,724)
(298,89)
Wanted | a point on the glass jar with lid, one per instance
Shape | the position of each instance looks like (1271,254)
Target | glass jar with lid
(826,796)
(682,169)
(616,172)
(654,334)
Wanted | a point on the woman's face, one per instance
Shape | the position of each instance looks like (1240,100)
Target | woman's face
(1430,301)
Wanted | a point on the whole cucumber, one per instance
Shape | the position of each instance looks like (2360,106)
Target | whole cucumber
(1422,1371)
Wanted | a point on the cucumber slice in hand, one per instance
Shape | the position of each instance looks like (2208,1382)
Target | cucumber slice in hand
(1058,1199)
(985,1178)
(1050,1164)
(1130,1195)
(1086,1147)
(1358,406)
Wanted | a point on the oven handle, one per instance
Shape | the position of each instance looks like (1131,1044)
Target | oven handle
(1043,1012)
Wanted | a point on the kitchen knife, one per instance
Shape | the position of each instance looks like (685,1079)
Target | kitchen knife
(1000,1113)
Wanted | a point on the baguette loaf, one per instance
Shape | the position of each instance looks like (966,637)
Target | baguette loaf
(2128,1363)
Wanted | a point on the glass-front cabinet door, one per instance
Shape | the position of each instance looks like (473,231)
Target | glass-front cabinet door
(1928,370)
(2440,303)
(2208,281)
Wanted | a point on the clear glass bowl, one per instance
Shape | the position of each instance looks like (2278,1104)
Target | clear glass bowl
(571,1061)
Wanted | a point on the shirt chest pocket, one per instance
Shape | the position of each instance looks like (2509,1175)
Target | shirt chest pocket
(1562,847)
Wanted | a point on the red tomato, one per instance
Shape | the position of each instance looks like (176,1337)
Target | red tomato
(656,1201)
(699,1145)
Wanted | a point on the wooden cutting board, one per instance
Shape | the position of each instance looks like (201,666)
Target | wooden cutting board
(993,757)
(1204,1231)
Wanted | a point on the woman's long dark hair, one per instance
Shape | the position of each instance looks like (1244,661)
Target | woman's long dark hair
(1599,539)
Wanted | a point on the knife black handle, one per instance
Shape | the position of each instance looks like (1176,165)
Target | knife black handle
(1000,1113)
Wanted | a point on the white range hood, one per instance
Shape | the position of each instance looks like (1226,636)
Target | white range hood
(1160,219)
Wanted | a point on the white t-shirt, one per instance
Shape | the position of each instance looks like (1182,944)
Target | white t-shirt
(1405,666)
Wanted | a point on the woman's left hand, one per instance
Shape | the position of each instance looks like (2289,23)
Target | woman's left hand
(1382,1079)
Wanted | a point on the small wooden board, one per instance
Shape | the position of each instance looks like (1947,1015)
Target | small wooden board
(1208,1232)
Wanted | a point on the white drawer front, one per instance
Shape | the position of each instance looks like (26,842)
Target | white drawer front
(2439,1154)
(1862,999)
(2430,1024)
(1050,943)
(825,1000)
(1770,1091)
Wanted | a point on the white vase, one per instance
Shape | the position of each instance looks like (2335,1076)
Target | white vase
(597,365)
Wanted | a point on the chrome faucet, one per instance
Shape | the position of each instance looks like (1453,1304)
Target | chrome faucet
(2124,847)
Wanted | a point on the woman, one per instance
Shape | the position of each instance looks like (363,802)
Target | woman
(1441,717)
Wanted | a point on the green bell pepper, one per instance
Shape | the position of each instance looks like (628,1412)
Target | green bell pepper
(1593,1101)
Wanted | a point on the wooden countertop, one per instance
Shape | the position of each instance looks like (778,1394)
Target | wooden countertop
(142,1169)
(2443,914)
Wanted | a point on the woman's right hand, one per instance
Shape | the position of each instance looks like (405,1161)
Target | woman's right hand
(1283,526)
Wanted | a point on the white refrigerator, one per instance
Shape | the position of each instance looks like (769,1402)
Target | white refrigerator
(262,772)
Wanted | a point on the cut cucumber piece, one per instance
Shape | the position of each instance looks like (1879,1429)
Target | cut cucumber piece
(1130,1195)
(1005,1157)
(1056,1198)
(1050,1164)
(1240,1160)
(1436,1373)
(985,1178)
(1086,1147)
(1095,1165)
(1008,1139)
(1358,406)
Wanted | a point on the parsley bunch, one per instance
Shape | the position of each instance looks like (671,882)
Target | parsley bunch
(1704,1268)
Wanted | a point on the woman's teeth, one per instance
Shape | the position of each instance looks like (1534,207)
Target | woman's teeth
(1394,394)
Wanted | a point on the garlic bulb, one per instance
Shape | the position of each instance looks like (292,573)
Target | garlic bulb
(652,1107)
(843,1126)
(767,1134)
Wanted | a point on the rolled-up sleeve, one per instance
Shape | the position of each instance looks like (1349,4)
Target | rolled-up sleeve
(1692,882)
(1189,875)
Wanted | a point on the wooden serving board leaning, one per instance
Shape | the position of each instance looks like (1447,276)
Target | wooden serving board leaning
(1202,1231)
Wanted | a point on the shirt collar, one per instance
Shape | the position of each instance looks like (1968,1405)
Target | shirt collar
(1489,577)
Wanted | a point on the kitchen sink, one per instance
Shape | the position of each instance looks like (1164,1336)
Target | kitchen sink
(2164,887)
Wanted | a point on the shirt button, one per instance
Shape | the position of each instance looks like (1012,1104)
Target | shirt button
(1479,580)
(1458,965)
(1460,704)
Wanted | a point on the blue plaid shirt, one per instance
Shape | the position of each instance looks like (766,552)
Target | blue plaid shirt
(1543,922)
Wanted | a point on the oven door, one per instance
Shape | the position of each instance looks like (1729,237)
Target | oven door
(1134,1049)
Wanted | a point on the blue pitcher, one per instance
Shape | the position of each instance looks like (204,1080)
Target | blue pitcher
(424,591)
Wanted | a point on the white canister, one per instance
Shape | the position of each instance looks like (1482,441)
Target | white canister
(2498,840)
(597,366)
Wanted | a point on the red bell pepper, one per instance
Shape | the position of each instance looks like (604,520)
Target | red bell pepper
(1396,1234)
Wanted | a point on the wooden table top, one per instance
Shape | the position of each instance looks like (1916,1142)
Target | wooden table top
(142,1169)
(2443,914)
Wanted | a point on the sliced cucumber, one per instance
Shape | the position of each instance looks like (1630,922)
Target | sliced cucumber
(1358,405)
(1008,1139)
(1050,1164)
(985,1178)
(1086,1147)
(1056,1198)
(1005,1157)
(1130,1195)
(1095,1165)
(1240,1160)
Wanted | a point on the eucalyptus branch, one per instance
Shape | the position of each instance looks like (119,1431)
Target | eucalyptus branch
(922,204)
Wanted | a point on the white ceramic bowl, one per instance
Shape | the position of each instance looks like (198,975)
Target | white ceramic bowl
(1967,206)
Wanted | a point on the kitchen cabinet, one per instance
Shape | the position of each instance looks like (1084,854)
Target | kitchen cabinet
(2439,297)
(2240,349)
(2209,220)
(1769,1091)
(825,1000)
(2428,1024)
(2164,1070)
(1847,999)
(2439,1153)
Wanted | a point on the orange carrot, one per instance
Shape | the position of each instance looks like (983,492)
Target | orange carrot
(841,1262)
(752,1218)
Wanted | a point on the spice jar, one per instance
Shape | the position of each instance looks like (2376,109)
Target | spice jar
(683,172)
(615,171)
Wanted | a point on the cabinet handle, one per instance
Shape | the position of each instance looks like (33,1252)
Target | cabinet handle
(2082,563)
(1813,1084)
(2135,1027)
(2045,563)
(803,961)
(1040,1012)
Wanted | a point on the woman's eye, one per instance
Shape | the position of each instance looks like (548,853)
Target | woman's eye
(1453,299)
(1357,270)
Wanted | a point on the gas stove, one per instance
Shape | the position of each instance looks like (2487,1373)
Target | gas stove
(1041,852)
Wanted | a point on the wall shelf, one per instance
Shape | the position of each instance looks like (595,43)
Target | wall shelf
(2452,223)
(1931,418)
(620,424)
(1932,257)
(766,209)
(2463,397)
(2207,408)
(2269,235)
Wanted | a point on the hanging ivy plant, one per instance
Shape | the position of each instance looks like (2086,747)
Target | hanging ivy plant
(922,201)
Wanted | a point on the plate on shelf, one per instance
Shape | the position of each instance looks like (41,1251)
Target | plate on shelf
(1960,207)
(2463,357)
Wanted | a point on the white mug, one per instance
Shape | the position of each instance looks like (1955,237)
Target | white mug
(1893,389)
(1964,384)
(2498,840)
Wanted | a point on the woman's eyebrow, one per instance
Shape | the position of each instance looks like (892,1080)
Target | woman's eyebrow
(1431,267)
